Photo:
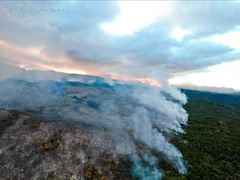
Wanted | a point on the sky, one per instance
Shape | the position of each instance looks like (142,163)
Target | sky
(194,42)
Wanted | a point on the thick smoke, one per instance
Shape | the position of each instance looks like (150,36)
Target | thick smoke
(132,115)
(149,172)
(148,128)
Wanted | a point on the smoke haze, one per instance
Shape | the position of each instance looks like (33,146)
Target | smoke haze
(131,113)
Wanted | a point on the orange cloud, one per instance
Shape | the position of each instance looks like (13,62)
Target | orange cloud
(32,58)
(149,81)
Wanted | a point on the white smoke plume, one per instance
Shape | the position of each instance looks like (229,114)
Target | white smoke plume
(160,111)
(132,114)
(170,116)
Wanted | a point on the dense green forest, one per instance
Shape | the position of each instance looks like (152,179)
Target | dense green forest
(228,99)
(211,145)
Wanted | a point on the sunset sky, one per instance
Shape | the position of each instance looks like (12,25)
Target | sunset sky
(195,42)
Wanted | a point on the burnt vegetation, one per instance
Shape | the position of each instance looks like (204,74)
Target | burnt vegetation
(50,144)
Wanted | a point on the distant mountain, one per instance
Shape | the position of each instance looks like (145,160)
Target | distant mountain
(207,88)
(221,98)
(8,71)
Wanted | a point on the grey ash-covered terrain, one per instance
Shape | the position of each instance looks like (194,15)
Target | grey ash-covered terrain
(74,130)
(34,149)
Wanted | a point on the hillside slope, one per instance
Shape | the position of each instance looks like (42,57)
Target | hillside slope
(127,127)
(211,144)
(228,99)
(73,130)
(35,149)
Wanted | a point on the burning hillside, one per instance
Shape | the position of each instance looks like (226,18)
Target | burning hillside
(93,122)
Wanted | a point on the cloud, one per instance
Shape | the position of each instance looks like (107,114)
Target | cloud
(201,53)
(74,39)
(206,19)
(199,49)
(222,75)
